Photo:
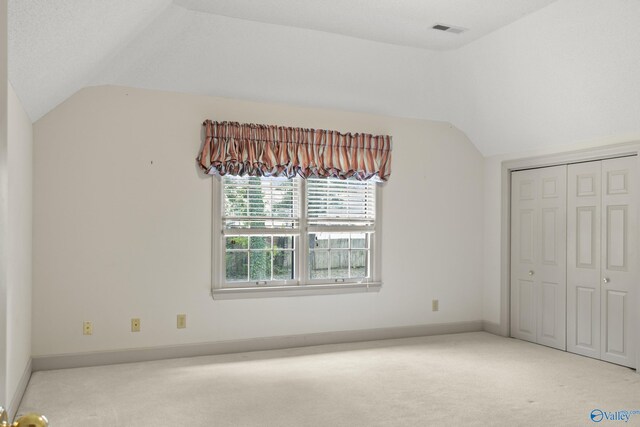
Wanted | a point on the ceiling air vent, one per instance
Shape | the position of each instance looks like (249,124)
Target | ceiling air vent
(449,28)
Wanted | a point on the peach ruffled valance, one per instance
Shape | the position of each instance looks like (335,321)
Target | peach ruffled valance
(266,150)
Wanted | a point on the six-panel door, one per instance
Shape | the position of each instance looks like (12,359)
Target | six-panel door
(618,302)
(538,256)
(584,204)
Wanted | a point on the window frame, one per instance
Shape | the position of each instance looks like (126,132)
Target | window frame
(303,284)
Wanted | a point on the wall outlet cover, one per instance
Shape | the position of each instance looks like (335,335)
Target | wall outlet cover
(182,321)
(87,328)
(135,325)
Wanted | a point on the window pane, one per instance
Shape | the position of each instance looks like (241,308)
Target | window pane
(260,242)
(359,263)
(319,264)
(339,264)
(253,258)
(260,265)
(236,266)
(282,265)
(359,240)
(283,242)
(237,242)
(347,256)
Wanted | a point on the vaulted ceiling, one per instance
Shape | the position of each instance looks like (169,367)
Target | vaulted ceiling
(378,56)
(405,23)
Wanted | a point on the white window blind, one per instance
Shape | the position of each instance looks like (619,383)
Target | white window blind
(340,203)
(260,203)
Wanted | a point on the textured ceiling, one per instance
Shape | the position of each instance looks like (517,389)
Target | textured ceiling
(406,22)
(193,52)
(56,47)
(561,75)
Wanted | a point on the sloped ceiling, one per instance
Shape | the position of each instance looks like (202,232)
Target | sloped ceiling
(201,53)
(404,23)
(566,76)
(497,82)
(57,46)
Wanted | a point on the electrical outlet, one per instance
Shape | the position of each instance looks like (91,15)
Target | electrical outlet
(135,325)
(435,305)
(182,321)
(87,328)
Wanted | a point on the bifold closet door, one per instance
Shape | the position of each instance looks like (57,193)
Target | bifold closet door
(584,202)
(602,254)
(538,255)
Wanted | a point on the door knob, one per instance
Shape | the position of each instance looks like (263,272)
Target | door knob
(605,280)
(531,273)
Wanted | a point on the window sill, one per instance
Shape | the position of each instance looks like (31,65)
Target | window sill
(293,291)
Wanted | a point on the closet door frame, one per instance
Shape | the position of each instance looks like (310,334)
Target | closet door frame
(508,166)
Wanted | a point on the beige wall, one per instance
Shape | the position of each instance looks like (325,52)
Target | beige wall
(20,169)
(122,223)
(3,201)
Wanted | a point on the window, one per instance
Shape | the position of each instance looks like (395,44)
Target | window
(261,222)
(293,234)
(341,217)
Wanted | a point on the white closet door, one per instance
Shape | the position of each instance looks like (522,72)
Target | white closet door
(619,261)
(524,236)
(583,258)
(552,268)
(538,256)
(602,267)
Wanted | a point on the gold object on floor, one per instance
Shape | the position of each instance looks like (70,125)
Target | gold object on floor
(29,420)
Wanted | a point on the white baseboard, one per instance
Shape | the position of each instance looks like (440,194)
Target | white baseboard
(77,360)
(494,328)
(22,386)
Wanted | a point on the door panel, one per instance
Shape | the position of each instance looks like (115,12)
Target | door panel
(526,309)
(549,236)
(524,226)
(616,238)
(527,235)
(538,256)
(587,325)
(551,267)
(549,310)
(619,266)
(615,321)
(586,238)
(584,203)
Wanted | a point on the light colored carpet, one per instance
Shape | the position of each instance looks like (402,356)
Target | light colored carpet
(453,380)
